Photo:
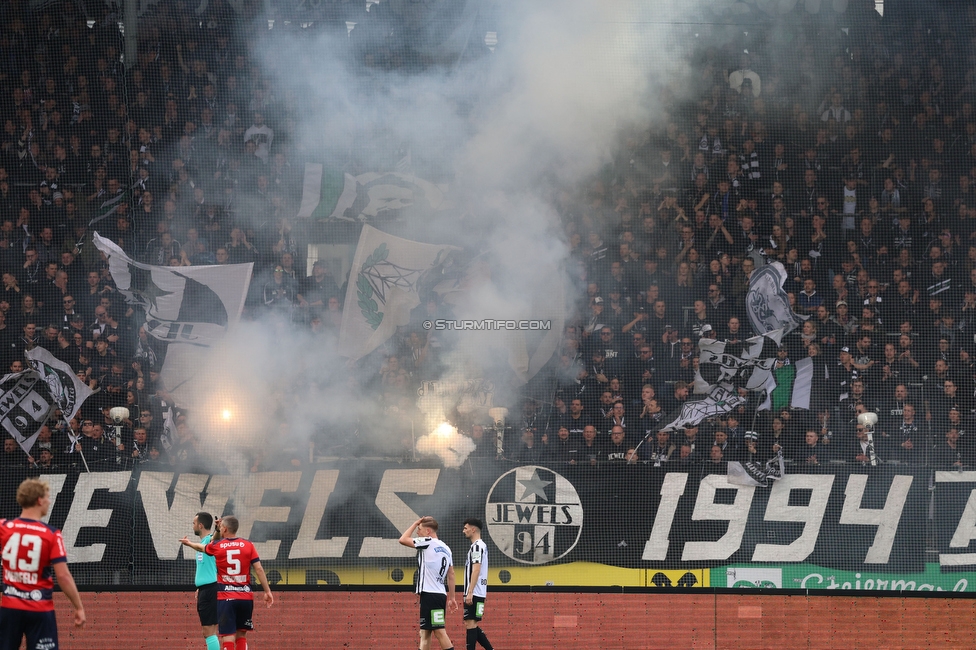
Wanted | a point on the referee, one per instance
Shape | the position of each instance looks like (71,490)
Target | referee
(475,585)
(206,581)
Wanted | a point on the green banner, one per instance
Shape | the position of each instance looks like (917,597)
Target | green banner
(811,576)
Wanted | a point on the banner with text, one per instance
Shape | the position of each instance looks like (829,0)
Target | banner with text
(125,526)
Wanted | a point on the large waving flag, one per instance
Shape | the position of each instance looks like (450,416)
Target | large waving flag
(724,369)
(746,365)
(187,308)
(68,392)
(718,401)
(768,303)
(328,194)
(383,288)
(25,404)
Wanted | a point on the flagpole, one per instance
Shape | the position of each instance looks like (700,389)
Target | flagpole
(637,448)
(755,414)
(67,425)
(80,450)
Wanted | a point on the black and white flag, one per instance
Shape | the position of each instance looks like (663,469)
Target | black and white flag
(747,364)
(755,474)
(25,404)
(67,391)
(768,303)
(724,369)
(802,384)
(187,308)
(720,399)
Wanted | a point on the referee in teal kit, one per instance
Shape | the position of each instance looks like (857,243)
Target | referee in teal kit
(206,581)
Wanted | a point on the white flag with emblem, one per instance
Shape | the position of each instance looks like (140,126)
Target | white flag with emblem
(767,302)
(746,364)
(383,288)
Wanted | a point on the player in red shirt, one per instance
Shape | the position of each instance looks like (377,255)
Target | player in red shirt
(235,601)
(31,549)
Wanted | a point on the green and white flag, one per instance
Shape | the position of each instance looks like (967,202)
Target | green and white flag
(383,288)
(331,194)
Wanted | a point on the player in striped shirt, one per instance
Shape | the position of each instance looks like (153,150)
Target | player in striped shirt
(475,585)
(435,580)
(31,549)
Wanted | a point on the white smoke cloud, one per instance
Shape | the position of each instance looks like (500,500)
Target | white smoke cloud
(447,444)
(508,131)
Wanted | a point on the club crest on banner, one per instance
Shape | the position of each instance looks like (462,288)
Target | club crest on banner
(25,403)
(62,388)
(534,515)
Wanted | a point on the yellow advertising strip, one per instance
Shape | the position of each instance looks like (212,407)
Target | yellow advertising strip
(574,574)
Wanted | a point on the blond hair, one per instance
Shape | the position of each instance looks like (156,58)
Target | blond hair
(31,491)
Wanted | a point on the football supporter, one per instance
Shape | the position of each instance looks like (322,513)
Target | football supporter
(31,551)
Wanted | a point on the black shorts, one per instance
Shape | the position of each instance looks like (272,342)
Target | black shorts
(40,628)
(207,604)
(433,610)
(475,610)
(234,615)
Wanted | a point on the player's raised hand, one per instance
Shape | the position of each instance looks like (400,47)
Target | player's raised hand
(185,541)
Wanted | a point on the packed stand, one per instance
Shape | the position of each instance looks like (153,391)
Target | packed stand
(852,161)
(184,158)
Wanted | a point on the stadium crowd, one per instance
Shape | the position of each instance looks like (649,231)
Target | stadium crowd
(852,161)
